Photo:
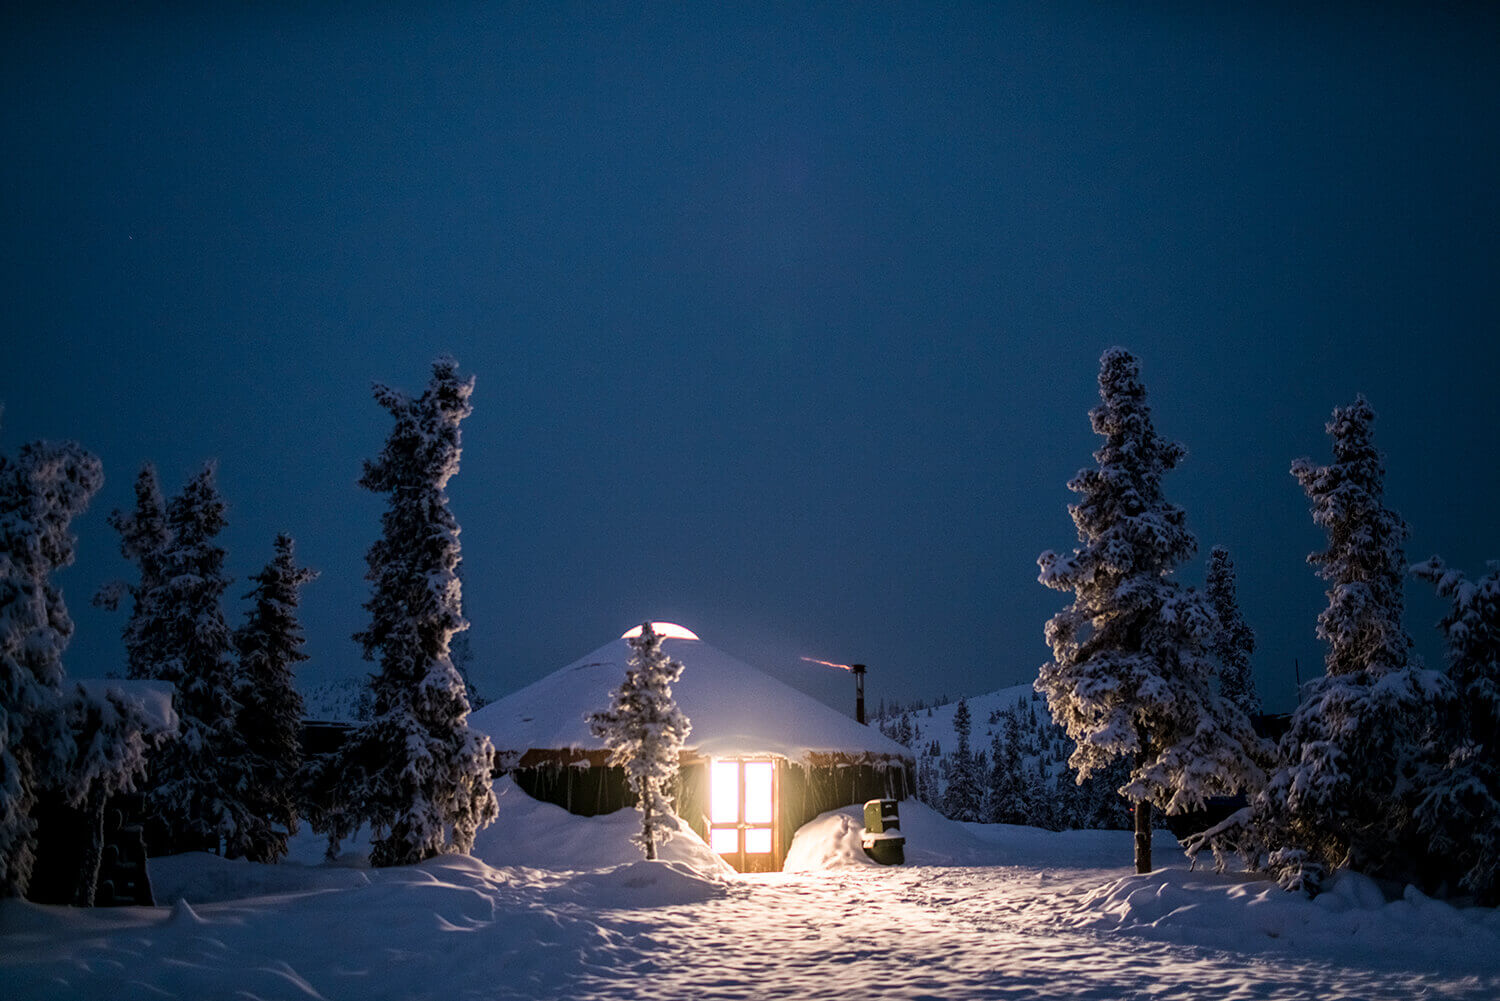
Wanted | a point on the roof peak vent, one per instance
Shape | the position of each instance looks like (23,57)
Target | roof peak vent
(666,630)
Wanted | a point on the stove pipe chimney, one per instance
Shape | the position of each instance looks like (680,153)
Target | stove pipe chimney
(859,692)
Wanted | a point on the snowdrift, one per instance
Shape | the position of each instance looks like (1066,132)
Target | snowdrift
(555,905)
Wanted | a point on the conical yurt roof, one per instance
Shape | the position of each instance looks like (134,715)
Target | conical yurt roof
(735,709)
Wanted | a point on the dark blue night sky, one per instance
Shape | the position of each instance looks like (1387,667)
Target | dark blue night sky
(785,321)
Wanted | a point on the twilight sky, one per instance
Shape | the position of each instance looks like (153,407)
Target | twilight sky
(785,322)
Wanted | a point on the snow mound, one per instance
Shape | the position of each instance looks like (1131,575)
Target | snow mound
(828,841)
(1353,918)
(545,836)
(200,877)
(649,884)
(535,835)
(832,841)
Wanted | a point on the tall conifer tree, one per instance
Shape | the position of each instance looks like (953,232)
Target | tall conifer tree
(41,491)
(269,645)
(1459,808)
(143,541)
(1236,640)
(416,772)
(1343,795)
(1131,676)
(198,780)
(964,796)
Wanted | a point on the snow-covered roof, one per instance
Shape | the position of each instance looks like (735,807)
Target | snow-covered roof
(735,709)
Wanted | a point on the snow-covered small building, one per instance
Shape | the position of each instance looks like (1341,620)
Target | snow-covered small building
(761,761)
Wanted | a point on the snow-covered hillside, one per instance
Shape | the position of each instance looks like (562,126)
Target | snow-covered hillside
(558,906)
(936,722)
(1017,766)
(345,700)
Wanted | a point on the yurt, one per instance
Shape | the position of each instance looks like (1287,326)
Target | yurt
(761,761)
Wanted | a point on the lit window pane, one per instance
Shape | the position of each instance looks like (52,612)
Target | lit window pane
(758,840)
(724,793)
(758,792)
(724,840)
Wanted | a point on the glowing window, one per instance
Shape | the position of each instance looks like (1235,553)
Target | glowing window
(757,841)
(724,840)
(758,793)
(724,793)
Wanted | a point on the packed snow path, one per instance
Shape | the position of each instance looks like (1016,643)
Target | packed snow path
(560,907)
(952,933)
(457,929)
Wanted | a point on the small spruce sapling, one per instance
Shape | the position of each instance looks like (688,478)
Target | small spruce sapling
(644,731)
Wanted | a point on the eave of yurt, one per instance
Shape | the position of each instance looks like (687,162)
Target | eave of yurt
(762,758)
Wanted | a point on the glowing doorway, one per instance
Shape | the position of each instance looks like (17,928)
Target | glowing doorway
(742,812)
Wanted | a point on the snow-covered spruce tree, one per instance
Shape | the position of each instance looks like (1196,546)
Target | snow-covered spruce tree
(269,644)
(1132,675)
(1343,795)
(461,651)
(415,773)
(1236,640)
(109,731)
(644,731)
(1006,801)
(41,491)
(963,799)
(929,776)
(197,781)
(1459,808)
(143,541)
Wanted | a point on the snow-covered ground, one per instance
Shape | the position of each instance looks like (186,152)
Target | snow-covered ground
(556,906)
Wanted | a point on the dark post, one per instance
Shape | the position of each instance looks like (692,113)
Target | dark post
(859,692)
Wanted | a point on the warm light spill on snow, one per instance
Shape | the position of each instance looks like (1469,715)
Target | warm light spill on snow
(666,630)
(555,905)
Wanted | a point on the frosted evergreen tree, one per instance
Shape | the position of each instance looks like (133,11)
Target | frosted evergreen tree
(644,731)
(929,778)
(462,653)
(1006,801)
(143,541)
(41,491)
(1236,640)
(964,797)
(1459,808)
(109,730)
(416,772)
(1131,674)
(198,781)
(269,645)
(1343,795)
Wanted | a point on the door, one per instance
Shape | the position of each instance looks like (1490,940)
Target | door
(742,813)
